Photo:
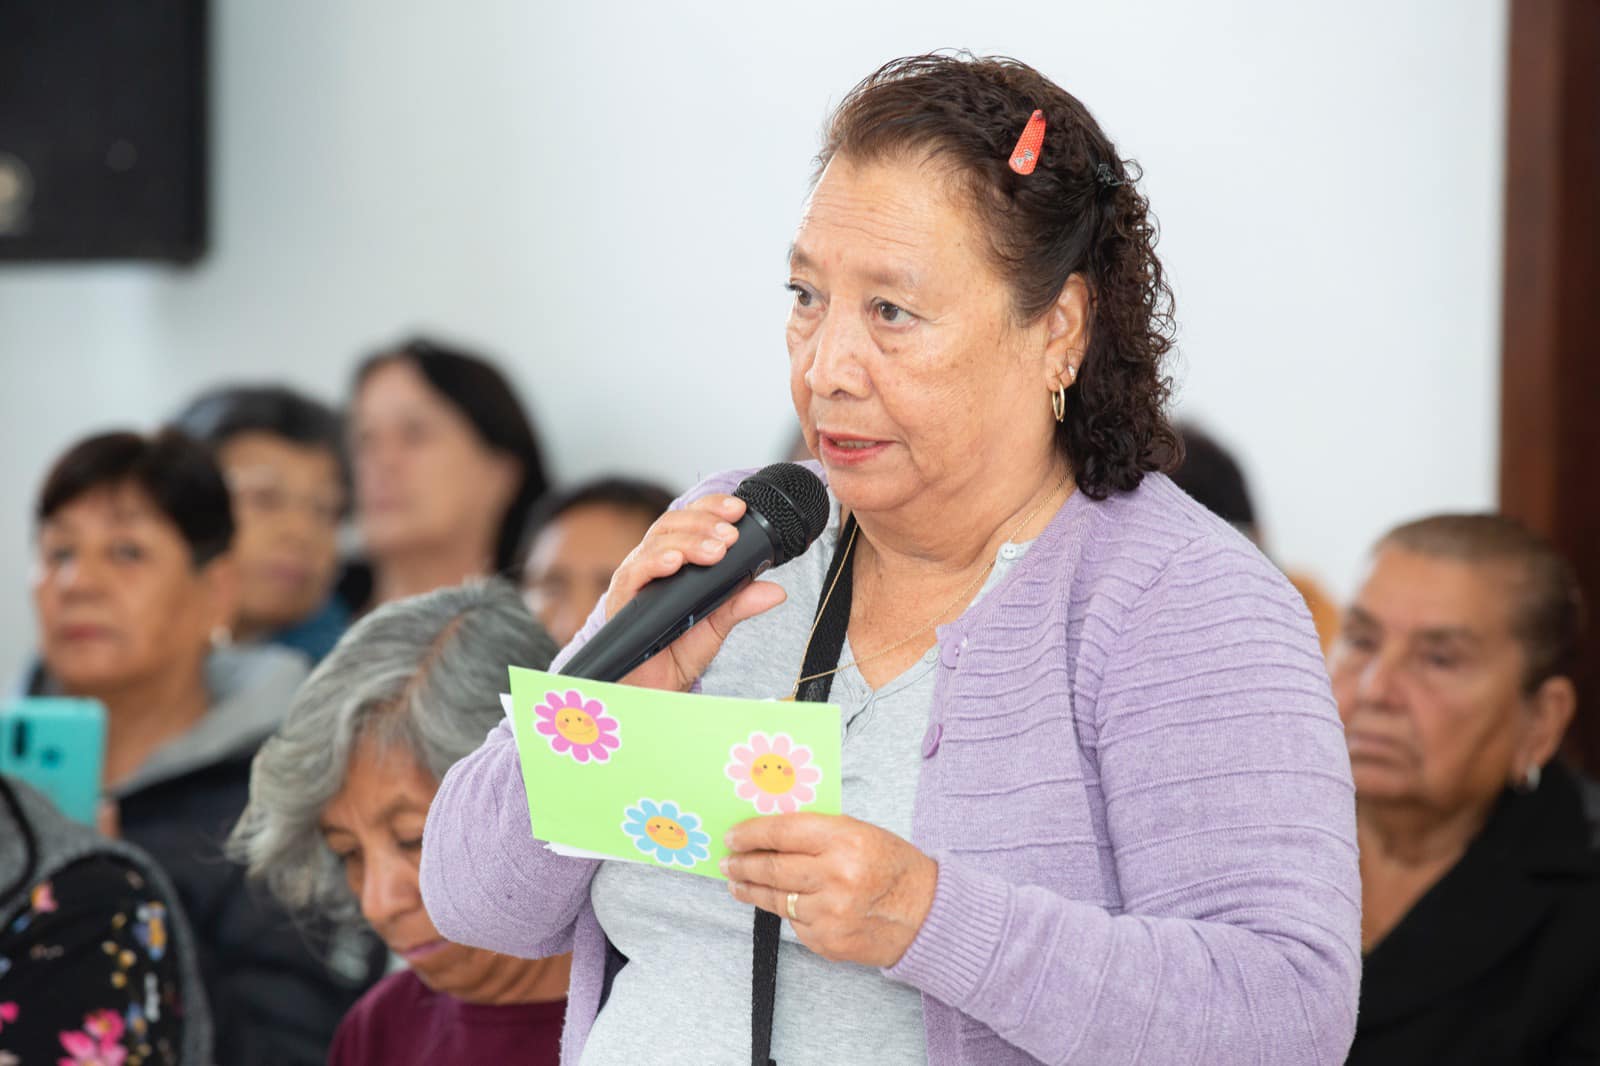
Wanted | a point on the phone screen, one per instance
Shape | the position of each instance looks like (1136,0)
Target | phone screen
(57,745)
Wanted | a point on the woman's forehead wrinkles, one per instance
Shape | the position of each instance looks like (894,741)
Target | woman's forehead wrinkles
(888,206)
(878,228)
(880,271)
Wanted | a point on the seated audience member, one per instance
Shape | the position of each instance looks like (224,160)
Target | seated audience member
(337,803)
(1480,876)
(283,457)
(446,466)
(575,539)
(1213,477)
(96,958)
(134,587)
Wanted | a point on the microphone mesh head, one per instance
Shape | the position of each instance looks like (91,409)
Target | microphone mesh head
(793,501)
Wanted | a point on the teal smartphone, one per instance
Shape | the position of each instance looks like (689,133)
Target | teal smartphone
(58,745)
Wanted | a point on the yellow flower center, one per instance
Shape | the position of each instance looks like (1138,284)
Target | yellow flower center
(576,726)
(773,773)
(666,832)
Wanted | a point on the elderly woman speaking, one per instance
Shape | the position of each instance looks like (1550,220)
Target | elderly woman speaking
(1098,805)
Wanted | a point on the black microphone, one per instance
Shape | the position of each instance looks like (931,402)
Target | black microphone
(786,508)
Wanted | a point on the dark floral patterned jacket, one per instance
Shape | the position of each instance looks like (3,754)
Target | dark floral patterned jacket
(96,963)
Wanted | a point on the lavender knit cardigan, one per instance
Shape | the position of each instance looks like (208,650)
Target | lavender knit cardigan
(1135,784)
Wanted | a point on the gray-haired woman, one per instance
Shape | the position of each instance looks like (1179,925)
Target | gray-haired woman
(338,798)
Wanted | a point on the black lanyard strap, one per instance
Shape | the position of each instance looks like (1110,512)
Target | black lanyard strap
(831,622)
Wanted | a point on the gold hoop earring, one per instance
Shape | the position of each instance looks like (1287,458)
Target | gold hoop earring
(1058,403)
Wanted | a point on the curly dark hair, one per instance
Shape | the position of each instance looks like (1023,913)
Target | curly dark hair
(1079,212)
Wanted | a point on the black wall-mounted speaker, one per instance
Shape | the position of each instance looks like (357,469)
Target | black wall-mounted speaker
(103,129)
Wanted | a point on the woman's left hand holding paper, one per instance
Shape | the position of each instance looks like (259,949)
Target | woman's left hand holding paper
(861,892)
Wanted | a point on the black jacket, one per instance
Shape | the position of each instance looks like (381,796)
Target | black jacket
(1500,961)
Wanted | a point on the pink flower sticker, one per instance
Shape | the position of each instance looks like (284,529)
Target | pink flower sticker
(577,725)
(775,774)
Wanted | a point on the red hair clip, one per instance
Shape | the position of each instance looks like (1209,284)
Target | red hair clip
(1025,156)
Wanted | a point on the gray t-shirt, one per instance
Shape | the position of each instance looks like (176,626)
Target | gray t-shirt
(684,997)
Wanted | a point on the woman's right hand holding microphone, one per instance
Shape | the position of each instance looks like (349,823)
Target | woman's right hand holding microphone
(698,533)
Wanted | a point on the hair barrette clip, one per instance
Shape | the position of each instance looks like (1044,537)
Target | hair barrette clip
(1025,156)
(1106,176)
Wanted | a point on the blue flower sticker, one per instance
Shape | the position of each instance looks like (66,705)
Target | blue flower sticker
(661,830)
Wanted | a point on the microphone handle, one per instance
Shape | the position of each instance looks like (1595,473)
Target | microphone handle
(669,607)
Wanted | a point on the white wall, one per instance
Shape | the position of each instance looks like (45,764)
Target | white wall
(602,194)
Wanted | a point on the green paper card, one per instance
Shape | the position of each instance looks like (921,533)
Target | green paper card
(616,772)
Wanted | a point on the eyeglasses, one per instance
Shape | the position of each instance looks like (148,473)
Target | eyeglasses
(260,490)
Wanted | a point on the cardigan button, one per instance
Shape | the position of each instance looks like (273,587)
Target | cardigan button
(930,740)
(950,652)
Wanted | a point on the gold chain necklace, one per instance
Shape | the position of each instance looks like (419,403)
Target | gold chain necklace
(849,550)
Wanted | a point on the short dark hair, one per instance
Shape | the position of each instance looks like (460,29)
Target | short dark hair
(1549,617)
(1078,212)
(483,395)
(220,414)
(175,472)
(644,498)
(1211,474)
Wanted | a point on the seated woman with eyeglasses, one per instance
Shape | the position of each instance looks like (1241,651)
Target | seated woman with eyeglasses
(283,457)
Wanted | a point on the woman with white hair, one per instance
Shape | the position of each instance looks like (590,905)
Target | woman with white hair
(338,798)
